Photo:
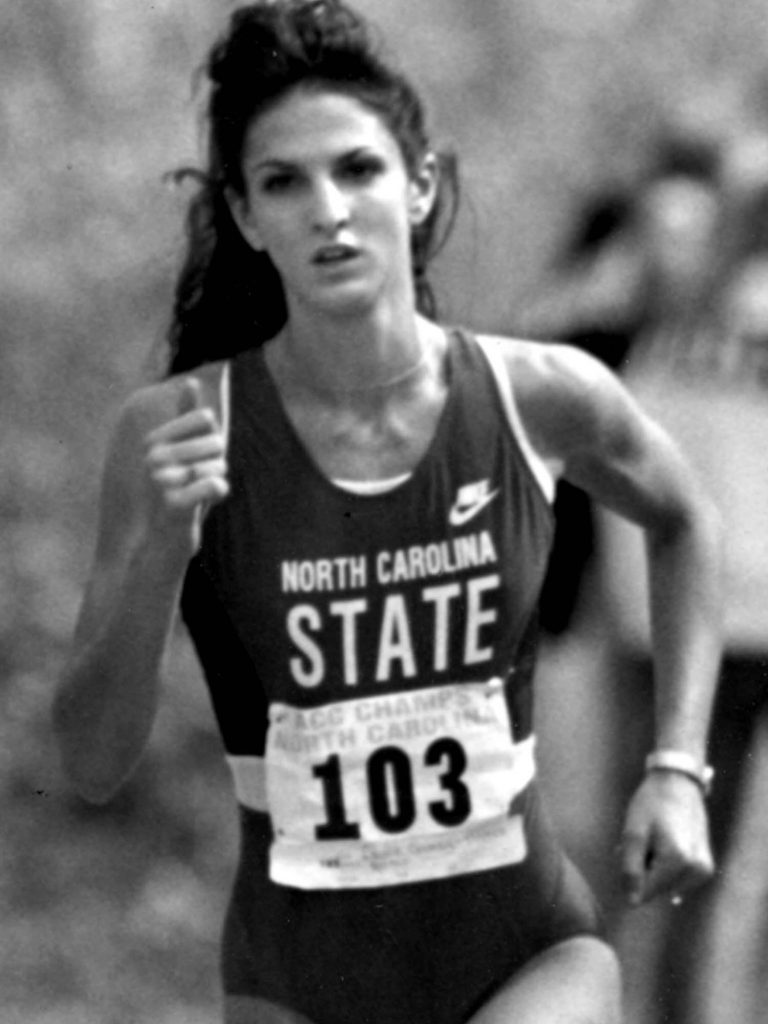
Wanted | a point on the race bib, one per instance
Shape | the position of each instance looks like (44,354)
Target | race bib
(399,788)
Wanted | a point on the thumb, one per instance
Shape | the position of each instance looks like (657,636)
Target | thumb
(190,396)
(634,867)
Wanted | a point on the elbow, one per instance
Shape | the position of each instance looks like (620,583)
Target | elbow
(691,538)
(697,521)
(87,765)
(93,781)
(90,787)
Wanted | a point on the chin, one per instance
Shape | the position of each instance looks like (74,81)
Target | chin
(352,299)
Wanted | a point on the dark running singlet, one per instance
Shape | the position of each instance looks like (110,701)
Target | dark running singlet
(370,662)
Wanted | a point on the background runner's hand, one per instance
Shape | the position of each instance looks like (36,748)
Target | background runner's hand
(187,467)
(665,844)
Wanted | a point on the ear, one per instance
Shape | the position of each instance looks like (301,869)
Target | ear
(422,190)
(243,218)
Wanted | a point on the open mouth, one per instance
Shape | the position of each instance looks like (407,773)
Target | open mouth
(331,255)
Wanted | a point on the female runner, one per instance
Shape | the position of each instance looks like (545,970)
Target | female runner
(352,504)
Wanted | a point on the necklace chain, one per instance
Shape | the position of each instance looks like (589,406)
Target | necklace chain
(391,382)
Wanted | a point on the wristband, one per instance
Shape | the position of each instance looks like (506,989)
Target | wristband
(684,764)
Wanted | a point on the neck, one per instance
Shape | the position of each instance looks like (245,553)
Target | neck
(355,356)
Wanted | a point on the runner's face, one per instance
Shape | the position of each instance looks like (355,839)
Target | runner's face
(329,198)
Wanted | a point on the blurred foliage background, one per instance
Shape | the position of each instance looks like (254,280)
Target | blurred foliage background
(112,915)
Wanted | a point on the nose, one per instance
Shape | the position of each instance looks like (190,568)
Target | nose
(330,207)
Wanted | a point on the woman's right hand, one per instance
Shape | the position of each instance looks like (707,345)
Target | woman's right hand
(185,459)
(165,463)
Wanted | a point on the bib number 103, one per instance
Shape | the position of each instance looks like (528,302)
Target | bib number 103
(391,793)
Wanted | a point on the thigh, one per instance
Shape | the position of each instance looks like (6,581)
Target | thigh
(580,974)
(574,982)
(254,1010)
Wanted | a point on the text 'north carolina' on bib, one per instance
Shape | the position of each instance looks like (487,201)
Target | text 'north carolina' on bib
(391,789)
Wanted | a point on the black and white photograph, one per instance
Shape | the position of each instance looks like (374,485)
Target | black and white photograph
(384,596)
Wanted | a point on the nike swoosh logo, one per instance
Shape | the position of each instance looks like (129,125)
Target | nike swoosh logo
(458,516)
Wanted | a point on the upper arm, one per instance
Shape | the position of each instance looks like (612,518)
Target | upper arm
(577,412)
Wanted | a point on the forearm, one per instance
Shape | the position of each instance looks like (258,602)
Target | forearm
(686,625)
(106,704)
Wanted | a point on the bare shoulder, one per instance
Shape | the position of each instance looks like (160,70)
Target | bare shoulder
(549,369)
(567,399)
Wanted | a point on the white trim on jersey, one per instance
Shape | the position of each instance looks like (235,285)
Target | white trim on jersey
(225,388)
(544,472)
(370,488)
(250,778)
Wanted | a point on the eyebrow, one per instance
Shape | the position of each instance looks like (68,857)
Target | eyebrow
(273,163)
(281,163)
(267,166)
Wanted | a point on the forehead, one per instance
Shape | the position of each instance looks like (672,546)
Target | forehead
(306,126)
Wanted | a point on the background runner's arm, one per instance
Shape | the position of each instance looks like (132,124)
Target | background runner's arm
(149,527)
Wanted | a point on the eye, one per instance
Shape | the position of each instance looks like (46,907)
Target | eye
(362,168)
(277,182)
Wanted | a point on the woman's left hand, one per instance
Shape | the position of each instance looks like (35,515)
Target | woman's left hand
(665,845)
